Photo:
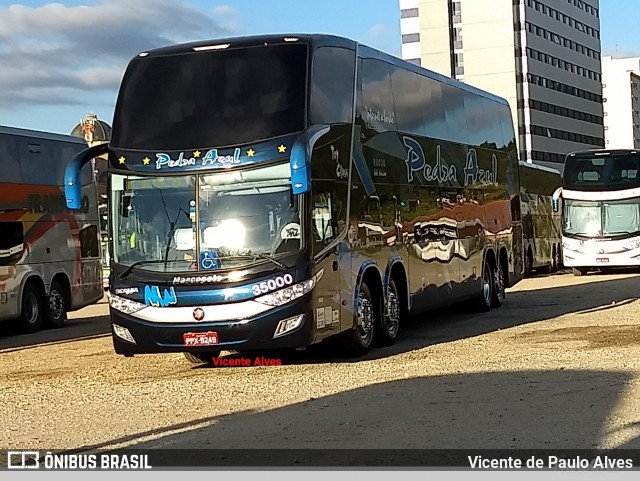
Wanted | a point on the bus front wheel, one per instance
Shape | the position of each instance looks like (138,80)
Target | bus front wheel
(357,342)
(579,271)
(31,309)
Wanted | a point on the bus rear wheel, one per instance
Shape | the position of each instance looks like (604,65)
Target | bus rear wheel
(492,287)
(31,309)
(201,357)
(386,331)
(56,312)
(528,263)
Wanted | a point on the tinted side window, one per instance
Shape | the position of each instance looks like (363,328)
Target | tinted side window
(87,174)
(492,123)
(329,212)
(377,98)
(435,120)
(453,99)
(36,162)
(11,242)
(332,86)
(9,160)
(508,134)
(410,96)
(474,112)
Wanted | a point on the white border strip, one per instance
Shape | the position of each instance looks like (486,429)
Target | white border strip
(221,312)
(601,195)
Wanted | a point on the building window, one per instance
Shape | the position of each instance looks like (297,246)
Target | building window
(456,12)
(411,37)
(409,13)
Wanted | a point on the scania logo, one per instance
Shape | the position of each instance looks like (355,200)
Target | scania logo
(198,313)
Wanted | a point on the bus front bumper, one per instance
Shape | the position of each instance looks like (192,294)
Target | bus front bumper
(288,326)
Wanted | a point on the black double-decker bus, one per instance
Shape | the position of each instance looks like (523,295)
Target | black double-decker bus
(276,191)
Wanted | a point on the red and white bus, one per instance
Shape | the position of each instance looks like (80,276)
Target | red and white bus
(50,257)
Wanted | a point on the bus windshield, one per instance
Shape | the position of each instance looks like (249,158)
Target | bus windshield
(602,219)
(610,172)
(240,218)
(212,98)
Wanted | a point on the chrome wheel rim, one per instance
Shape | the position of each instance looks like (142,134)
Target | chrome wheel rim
(56,304)
(392,316)
(486,286)
(31,308)
(365,318)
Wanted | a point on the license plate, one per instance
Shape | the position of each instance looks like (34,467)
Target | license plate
(600,260)
(200,338)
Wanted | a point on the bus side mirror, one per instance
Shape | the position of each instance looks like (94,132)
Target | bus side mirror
(300,160)
(555,199)
(72,184)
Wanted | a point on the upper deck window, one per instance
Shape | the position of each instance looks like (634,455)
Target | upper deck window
(214,98)
(602,172)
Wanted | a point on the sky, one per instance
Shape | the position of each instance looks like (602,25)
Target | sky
(62,60)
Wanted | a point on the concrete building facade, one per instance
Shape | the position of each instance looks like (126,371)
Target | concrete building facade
(621,102)
(543,56)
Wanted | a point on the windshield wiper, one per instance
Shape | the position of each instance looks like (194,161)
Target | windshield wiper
(281,265)
(253,257)
(128,270)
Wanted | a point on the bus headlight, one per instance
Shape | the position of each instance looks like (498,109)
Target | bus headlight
(124,305)
(288,294)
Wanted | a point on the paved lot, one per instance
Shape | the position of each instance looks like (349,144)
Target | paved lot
(558,366)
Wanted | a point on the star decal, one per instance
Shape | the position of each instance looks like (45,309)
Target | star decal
(121,159)
(196,154)
(282,149)
(251,152)
(146,161)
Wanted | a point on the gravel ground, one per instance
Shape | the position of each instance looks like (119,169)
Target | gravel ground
(558,366)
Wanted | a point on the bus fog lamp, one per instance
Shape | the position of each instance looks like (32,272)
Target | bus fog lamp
(123,333)
(287,325)
(124,305)
(288,294)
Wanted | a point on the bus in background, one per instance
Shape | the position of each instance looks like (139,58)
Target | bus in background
(541,225)
(49,255)
(104,243)
(601,210)
(277,191)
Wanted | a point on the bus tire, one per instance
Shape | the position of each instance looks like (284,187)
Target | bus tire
(31,309)
(498,292)
(201,357)
(528,263)
(357,341)
(488,297)
(559,256)
(386,330)
(56,308)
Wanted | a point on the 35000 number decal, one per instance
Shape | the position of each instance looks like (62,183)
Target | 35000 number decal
(272,284)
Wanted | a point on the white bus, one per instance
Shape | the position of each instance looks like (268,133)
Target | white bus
(601,210)
(49,255)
